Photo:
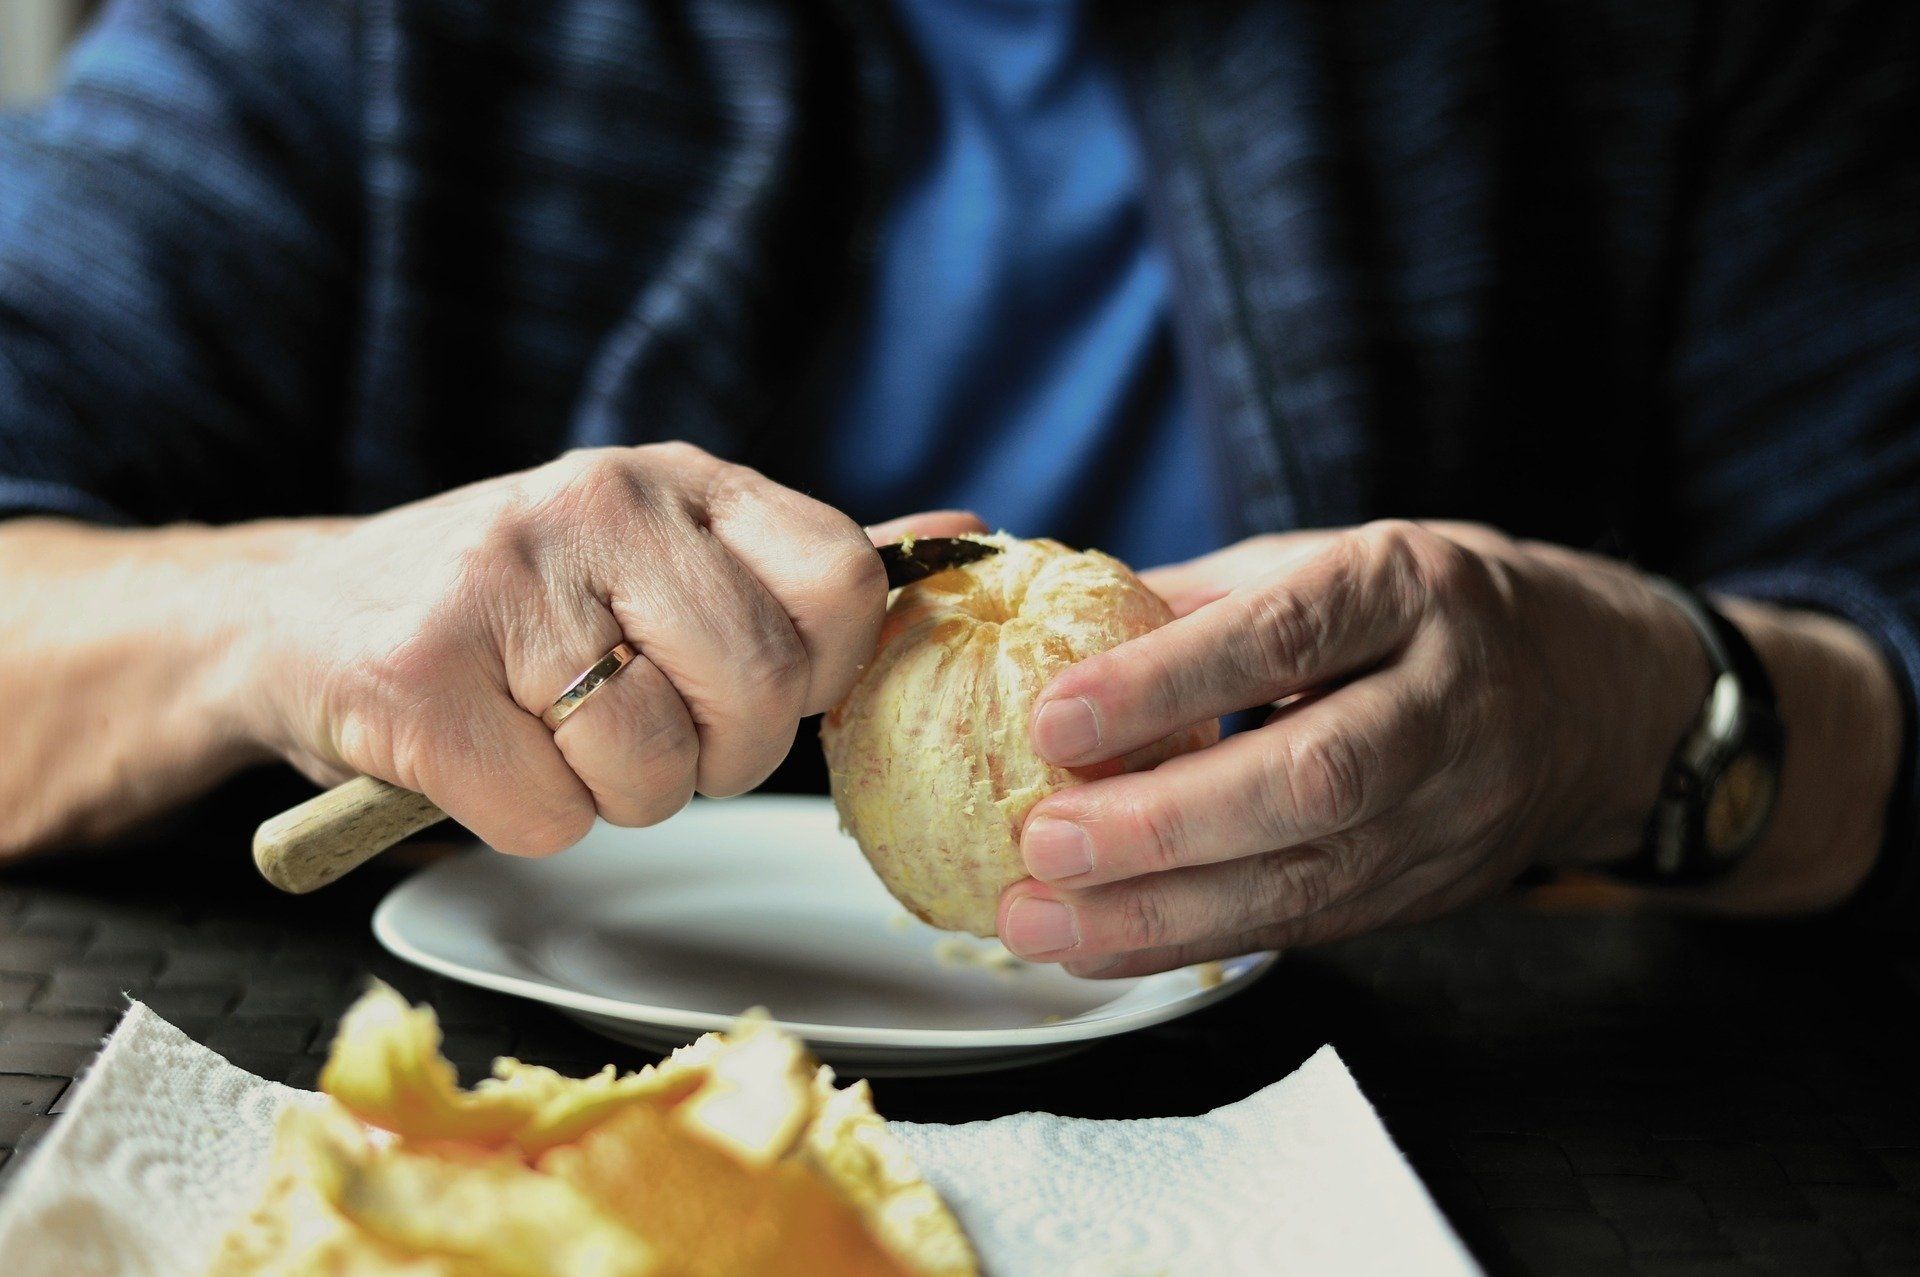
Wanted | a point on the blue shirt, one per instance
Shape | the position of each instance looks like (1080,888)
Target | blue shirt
(1658,293)
(1016,354)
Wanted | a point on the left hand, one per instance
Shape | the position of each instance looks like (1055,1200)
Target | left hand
(1452,706)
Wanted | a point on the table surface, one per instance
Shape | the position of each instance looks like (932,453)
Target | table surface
(1582,1093)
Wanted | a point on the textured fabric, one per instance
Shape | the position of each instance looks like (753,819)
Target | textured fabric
(1013,351)
(1636,276)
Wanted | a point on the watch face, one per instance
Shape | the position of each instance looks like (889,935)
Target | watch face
(1738,807)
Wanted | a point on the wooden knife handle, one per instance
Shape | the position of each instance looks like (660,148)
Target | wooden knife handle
(332,834)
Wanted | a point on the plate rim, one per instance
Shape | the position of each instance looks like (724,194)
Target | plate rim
(1236,974)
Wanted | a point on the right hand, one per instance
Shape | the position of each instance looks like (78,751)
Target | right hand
(421,645)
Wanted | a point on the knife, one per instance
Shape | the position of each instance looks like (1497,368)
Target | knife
(334,833)
(916,559)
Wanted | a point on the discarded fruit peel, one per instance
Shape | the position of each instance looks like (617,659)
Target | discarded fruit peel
(737,1154)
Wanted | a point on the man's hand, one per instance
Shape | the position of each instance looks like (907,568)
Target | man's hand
(422,645)
(1451,707)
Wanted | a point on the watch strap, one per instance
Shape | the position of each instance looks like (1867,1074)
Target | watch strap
(1675,850)
(1727,648)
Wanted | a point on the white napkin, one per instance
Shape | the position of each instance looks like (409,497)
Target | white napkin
(166,1143)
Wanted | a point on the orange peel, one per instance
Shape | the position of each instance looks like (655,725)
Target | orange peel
(736,1155)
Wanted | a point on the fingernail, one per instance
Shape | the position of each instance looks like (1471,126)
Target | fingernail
(1066,729)
(1056,849)
(1037,926)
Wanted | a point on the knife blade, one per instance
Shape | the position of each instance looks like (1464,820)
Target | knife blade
(918,558)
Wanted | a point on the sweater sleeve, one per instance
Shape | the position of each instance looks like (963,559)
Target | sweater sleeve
(1796,360)
(178,228)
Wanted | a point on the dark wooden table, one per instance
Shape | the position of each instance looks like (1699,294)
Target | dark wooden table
(1582,1093)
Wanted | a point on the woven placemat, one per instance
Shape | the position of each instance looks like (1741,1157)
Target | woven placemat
(1583,1094)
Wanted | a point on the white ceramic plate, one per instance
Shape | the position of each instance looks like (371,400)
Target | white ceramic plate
(656,936)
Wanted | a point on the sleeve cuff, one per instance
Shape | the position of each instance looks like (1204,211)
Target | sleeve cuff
(1889,899)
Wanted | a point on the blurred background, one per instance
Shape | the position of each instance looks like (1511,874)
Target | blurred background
(32,35)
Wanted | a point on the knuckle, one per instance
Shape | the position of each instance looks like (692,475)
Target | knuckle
(560,473)
(1392,535)
(1433,565)
(1396,547)
(840,575)
(1308,929)
(1319,784)
(675,454)
(1359,860)
(600,486)
(1156,836)
(851,570)
(650,754)
(591,468)
(661,798)
(727,488)
(1138,679)
(577,461)
(1285,631)
(1452,573)
(839,615)
(668,746)
(1299,883)
(508,552)
(1140,921)
(745,761)
(669,784)
(771,667)
(1482,537)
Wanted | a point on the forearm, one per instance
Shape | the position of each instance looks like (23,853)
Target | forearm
(1842,713)
(123,659)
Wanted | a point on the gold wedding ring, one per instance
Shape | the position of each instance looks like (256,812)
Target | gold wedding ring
(587,684)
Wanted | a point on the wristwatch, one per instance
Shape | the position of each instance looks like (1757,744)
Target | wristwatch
(1720,787)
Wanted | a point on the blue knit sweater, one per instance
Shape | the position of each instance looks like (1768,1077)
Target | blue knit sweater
(1635,275)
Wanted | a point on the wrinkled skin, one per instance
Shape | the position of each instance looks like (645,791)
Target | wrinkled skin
(421,645)
(1447,707)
